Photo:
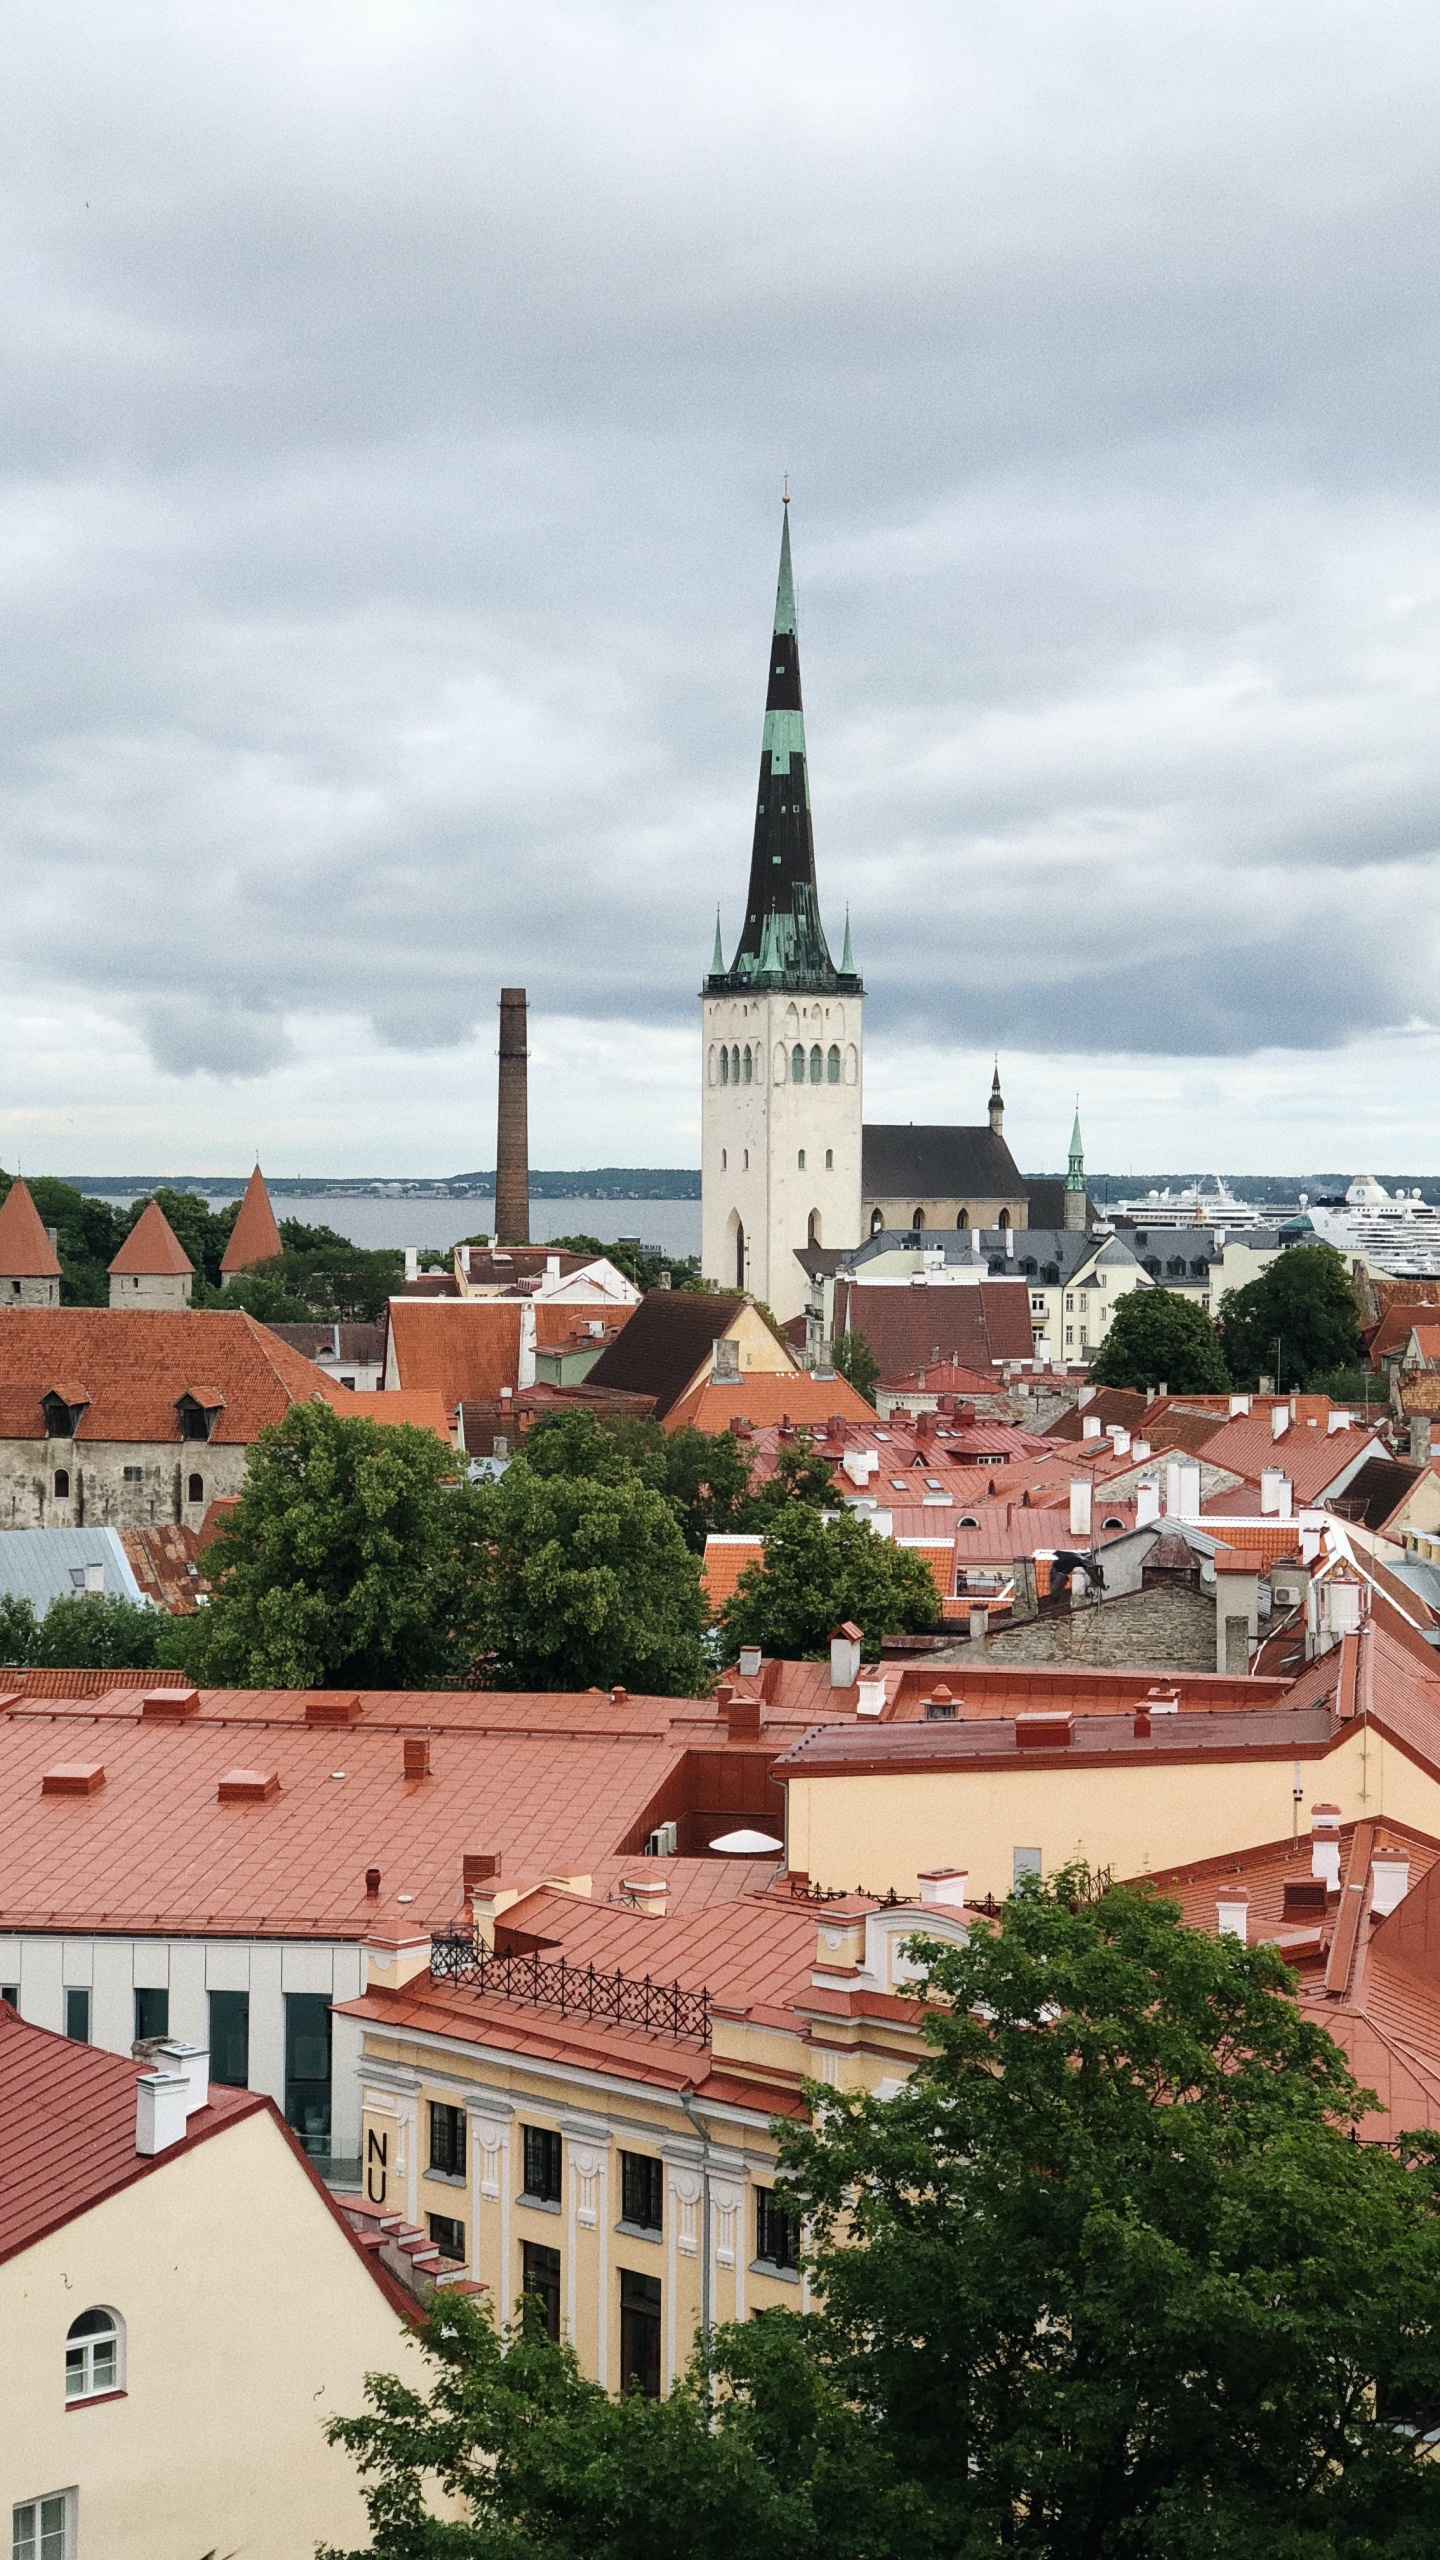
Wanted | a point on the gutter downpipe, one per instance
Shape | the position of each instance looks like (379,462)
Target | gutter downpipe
(704,2140)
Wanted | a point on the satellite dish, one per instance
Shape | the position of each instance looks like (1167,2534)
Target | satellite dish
(746,1844)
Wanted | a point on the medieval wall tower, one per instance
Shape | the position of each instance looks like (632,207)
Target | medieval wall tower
(782,1052)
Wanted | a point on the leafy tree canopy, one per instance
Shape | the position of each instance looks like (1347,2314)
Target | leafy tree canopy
(856,1361)
(754,2454)
(815,1574)
(801,1475)
(1295,1322)
(1156,1335)
(93,1631)
(1108,2274)
(349,1557)
(704,1475)
(586,1582)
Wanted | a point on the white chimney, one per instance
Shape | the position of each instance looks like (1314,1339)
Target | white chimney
(1119,1440)
(1079,1506)
(845,1657)
(979,1617)
(193,2060)
(1085,1395)
(1232,1915)
(1182,1488)
(943,1888)
(552,1266)
(1325,1859)
(160,2111)
(1139,1448)
(1238,1405)
(95,1577)
(750,1659)
(870,1697)
(412,1263)
(860,1465)
(1271,1479)
(1147,1502)
(1343,1602)
(1337,1422)
(1389,1882)
(1090,1427)
(1279,1421)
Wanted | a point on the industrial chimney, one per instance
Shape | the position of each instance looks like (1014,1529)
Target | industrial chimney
(512,1137)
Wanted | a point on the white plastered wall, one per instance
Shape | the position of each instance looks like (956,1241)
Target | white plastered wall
(754,1134)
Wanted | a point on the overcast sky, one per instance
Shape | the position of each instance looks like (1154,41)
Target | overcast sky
(395,397)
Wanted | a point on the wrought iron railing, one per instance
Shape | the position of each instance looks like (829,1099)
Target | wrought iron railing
(890,1901)
(577,1991)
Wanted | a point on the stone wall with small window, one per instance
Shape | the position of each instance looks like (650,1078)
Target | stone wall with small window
(64,1483)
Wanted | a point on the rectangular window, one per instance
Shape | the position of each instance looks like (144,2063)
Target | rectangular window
(448,2237)
(230,2038)
(10,1993)
(1024,1862)
(1069,1306)
(540,2274)
(307,2065)
(447,2140)
(640,2333)
(77,2016)
(152,2014)
(133,1475)
(777,2230)
(542,2164)
(642,2191)
(44,2528)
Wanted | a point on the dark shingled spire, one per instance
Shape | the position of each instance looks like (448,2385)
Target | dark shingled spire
(783,941)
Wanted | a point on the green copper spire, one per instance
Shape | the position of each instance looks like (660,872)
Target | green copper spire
(1075,1178)
(717,965)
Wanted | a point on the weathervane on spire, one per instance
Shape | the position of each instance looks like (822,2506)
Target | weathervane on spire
(785,489)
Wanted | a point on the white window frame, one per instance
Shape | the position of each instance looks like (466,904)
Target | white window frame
(33,2547)
(113,2338)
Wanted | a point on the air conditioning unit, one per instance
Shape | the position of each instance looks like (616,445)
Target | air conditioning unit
(664,1842)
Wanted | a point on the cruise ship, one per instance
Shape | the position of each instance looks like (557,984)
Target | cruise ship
(1209,1203)
(1396,1231)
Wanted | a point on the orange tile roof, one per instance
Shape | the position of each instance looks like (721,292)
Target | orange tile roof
(152,1248)
(26,1252)
(943,1378)
(1264,1539)
(254,1238)
(562,1325)
(726,1558)
(462,1349)
(1427,1343)
(165,1563)
(420,1407)
(1309,1453)
(766,1396)
(131,1366)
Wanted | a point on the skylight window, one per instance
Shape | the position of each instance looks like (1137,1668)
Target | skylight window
(899,1483)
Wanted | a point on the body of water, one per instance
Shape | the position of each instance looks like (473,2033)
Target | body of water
(672,1226)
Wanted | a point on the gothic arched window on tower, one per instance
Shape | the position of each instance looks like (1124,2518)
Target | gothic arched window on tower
(797,1064)
(735,1064)
(724,1066)
(1003,1222)
(964,1219)
(747,1064)
(739,1255)
(877,1221)
(917,1220)
(814,1230)
(817,1067)
(832,1065)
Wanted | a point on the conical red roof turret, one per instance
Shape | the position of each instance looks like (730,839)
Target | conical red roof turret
(152,1248)
(26,1252)
(255,1237)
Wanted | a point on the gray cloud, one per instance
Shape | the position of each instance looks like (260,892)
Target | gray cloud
(393,408)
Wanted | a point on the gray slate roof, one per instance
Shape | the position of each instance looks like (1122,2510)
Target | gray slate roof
(910,1160)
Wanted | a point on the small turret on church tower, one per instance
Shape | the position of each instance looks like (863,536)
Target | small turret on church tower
(997,1104)
(782,1059)
(1075,1178)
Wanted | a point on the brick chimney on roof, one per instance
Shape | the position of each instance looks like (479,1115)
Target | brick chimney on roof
(512,1135)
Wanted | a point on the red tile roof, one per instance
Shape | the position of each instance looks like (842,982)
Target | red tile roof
(942,1378)
(254,1238)
(152,1248)
(26,1252)
(768,1397)
(908,1327)
(726,1558)
(1310,1454)
(165,1563)
(421,1408)
(133,1365)
(462,1349)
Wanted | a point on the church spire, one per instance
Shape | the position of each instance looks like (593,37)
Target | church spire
(717,964)
(782,943)
(1077,1207)
(997,1103)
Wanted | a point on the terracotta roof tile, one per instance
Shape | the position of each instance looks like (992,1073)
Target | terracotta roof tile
(726,1558)
(254,1238)
(766,1397)
(462,1349)
(421,1408)
(152,1248)
(908,1327)
(26,1252)
(137,1363)
(667,1340)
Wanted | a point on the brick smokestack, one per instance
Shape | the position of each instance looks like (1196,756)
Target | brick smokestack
(512,1137)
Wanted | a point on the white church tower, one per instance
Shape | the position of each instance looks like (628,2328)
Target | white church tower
(783,1051)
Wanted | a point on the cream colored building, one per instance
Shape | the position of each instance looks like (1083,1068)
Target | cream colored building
(628,2172)
(181,2308)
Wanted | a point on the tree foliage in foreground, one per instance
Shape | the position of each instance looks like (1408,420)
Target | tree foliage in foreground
(1109,2277)
(583,1583)
(1297,1321)
(1158,1337)
(704,1475)
(815,1574)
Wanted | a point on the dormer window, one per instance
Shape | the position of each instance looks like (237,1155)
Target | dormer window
(64,1409)
(199,1409)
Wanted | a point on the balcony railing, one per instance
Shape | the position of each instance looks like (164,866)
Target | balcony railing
(577,1991)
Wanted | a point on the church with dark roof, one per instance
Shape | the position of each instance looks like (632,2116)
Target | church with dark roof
(787,1162)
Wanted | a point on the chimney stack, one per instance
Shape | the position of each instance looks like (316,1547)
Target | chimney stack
(512,1136)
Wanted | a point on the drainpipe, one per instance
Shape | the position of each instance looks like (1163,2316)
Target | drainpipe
(698,2129)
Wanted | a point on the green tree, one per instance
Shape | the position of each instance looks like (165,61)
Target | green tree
(704,1475)
(196,1226)
(583,1582)
(753,2456)
(815,1574)
(801,1475)
(642,1263)
(18,1630)
(1158,1336)
(1108,2274)
(264,1294)
(856,1361)
(350,1557)
(92,1630)
(1295,1322)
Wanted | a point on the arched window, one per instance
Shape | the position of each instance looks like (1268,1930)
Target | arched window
(800,1161)
(1112,1522)
(877,1221)
(195,1489)
(797,1064)
(747,1064)
(917,1220)
(1003,1222)
(724,1066)
(62,1484)
(968,1520)
(817,1065)
(832,1065)
(735,1064)
(94,2354)
(739,1256)
(829,1159)
(963,1221)
(813,1237)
